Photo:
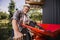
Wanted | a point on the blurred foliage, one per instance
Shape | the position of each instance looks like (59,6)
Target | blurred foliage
(35,15)
(5,29)
(4,15)
(11,8)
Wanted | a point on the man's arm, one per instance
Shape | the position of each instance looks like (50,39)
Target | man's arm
(15,19)
(15,27)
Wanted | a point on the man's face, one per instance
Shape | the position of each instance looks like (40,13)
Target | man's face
(25,9)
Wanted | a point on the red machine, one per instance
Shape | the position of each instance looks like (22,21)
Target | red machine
(50,27)
(39,34)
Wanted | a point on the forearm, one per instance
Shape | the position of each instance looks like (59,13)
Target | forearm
(15,26)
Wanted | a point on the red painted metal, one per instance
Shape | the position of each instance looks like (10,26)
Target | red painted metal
(38,34)
(50,27)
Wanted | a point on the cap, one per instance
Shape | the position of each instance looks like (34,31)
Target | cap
(27,5)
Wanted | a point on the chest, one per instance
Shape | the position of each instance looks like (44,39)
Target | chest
(23,18)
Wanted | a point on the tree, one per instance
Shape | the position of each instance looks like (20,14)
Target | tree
(11,8)
(35,15)
(3,15)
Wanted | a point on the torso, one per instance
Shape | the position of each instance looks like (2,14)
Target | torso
(23,18)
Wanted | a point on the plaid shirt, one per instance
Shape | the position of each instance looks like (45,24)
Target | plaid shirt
(20,16)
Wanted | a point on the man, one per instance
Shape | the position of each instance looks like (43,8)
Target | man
(19,18)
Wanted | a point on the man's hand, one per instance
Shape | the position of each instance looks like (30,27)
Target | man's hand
(18,36)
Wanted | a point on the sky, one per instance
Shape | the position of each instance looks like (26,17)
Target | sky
(5,3)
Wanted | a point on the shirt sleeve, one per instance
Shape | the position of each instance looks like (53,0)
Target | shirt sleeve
(16,16)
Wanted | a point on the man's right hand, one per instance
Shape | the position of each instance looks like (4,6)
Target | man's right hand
(18,36)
